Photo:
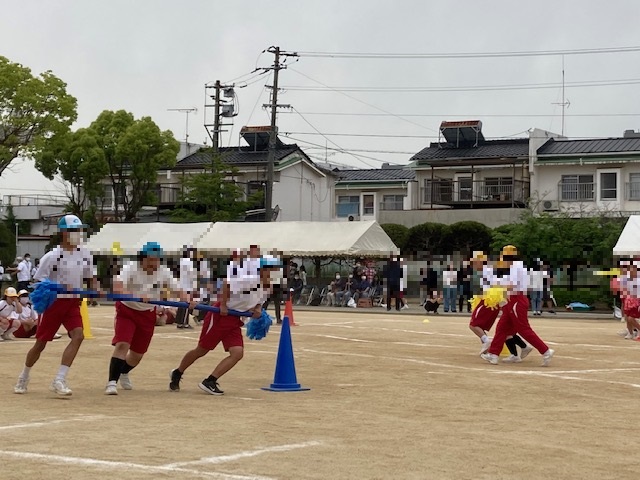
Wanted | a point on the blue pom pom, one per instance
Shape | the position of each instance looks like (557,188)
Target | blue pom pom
(257,328)
(44,294)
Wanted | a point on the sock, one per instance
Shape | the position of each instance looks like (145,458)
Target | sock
(484,339)
(115,368)
(212,378)
(519,342)
(126,368)
(511,346)
(25,372)
(62,372)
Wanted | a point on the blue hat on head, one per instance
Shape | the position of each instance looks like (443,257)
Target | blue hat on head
(270,261)
(151,249)
(70,222)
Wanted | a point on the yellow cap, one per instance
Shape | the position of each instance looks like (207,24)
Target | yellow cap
(479,257)
(509,250)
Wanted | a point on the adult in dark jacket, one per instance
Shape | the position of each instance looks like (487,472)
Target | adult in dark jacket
(392,275)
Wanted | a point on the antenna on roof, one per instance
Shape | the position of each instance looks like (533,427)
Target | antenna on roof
(565,102)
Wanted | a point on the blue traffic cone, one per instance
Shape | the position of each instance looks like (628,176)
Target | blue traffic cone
(285,379)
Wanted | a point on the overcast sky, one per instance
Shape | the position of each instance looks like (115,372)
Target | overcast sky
(149,56)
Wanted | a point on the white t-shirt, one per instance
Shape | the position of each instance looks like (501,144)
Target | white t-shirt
(632,286)
(28,314)
(188,275)
(245,292)
(449,278)
(7,310)
(68,268)
(518,278)
(136,280)
(536,279)
(24,271)
(488,278)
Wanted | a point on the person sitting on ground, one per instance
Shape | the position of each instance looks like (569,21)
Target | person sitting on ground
(433,302)
(165,316)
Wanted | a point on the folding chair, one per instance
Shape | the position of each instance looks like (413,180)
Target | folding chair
(305,295)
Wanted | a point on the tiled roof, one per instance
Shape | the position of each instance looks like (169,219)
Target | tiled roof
(518,147)
(376,175)
(559,147)
(235,156)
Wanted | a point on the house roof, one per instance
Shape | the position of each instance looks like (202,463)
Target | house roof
(560,147)
(376,175)
(443,153)
(236,156)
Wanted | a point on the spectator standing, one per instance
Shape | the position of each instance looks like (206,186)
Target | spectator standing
(465,277)
(393,274)
(536,286)
(188,283)
(547,296)
(23,272)
(303,275)
(450,288)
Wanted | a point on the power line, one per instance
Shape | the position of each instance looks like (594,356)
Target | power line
(525,53)
(471,88)
(465,115)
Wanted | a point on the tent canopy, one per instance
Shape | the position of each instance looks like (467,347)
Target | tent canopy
(629,241)
(132,236)
(296,239)
(301,239)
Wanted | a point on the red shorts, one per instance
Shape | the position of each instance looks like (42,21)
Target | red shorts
(217,328)
(134,327)
(22,333)
(631,307)
(63,312)
(484,317)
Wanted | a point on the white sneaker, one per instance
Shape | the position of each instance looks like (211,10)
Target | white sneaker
(623,333)
(60,387)
(490,357)
(8,336)
(524,353)
(546,358)
(111,388)
(512,359)
(125,381)
(21,386)
(485,347)
(629,336)
(405,307)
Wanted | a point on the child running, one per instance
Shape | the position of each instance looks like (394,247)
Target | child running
(71,265)
(245,290)
(135,321)
(514,317)
(483,317)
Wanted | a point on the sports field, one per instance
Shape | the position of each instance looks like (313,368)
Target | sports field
(392,397)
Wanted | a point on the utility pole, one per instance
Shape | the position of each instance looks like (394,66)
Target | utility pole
(273,133)
(221,109)
(216,118)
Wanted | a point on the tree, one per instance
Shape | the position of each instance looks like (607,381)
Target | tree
(80,160)
(33,111)
(399,234)
(134,151)
(468,236)
(211,196)
(428,239)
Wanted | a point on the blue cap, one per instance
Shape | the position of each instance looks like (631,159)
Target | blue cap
(70,222)
(152,249)
(270,261)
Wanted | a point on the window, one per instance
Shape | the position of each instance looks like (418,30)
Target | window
(255,192)
(392,202)
(439,190)
(465,188)
(634,186)
(576,188)
(348,205)
(368,205)
(608,186)
(120,189)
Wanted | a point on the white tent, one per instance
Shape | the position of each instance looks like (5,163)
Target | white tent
(132,236)
(300,239)
(629,240)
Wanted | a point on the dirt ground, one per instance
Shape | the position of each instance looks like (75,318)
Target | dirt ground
(392,397)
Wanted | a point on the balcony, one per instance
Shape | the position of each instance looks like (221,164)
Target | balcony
(36,200)
(478,193)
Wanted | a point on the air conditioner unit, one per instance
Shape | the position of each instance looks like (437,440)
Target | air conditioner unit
(550,205)
(353,218)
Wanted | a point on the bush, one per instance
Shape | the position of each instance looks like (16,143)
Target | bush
(398,234)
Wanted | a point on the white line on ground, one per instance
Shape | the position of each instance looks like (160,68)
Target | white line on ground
(126,466)
(246,454)
(44,423)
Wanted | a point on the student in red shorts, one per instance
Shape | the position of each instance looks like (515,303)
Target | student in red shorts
(135,322)
(69,264)
(483,317)
(244,289)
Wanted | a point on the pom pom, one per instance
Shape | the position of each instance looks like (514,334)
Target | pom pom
(495,297)
(44,294)
(257,328)
(475,301)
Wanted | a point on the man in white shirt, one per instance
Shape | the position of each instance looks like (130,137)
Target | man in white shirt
(514,317)
(135,322)
(24,272)
(450,288)
(244,293)
(188,283)
(71,265)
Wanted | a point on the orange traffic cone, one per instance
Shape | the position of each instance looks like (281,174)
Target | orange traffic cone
(288,311)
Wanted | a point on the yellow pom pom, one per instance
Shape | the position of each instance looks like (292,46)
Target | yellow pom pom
(495,297)
(475,301)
